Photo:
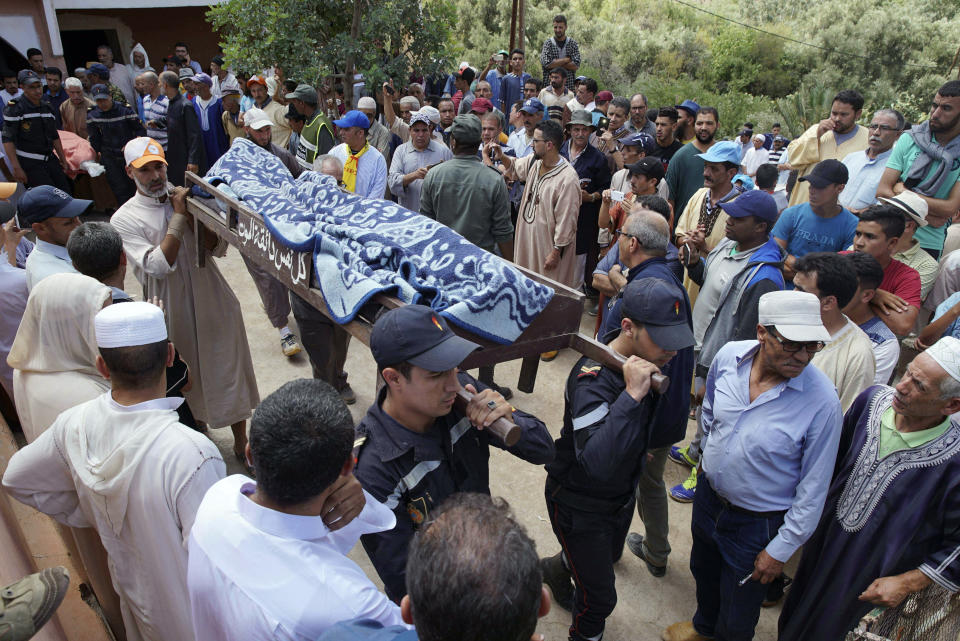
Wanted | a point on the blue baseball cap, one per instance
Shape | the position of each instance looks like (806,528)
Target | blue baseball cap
(353,118)
(100,92)
(689,106)
(745,180)
(532,106)
(46,201)
(661,309)
(28,77)
(723,151)
(100,70)
(756,203)
(640,139)
(417,335)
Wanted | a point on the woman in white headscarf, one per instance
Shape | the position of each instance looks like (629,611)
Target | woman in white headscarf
(54,355)
(139,61)
(54,360)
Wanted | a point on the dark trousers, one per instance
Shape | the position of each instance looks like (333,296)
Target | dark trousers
(591,543)
(725,544)
(325,341)
(44,172)
(120,184)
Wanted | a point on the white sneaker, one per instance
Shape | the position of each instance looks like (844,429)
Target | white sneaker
(290,345)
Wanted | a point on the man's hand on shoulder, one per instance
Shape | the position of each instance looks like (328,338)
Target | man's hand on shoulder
(486,407)
(636,374)
(344,503)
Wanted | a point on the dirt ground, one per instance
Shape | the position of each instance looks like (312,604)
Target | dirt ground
(645,605)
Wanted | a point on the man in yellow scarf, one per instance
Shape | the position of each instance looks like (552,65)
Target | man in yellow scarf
(364,168)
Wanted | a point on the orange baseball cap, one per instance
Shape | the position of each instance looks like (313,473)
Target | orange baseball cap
(7,189)
(257,80)
(140,151)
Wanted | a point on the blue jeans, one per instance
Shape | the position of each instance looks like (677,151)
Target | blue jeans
(725,545)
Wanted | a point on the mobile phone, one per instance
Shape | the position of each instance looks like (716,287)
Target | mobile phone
(490,152)
(616,196)
(389,90)
(603,123)
(498,57)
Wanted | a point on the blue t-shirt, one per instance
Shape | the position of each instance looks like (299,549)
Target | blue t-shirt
(511,90)
(954,328)
(805,232)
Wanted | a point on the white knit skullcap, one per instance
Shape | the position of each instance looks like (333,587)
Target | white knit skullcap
(129,324)
(946,352)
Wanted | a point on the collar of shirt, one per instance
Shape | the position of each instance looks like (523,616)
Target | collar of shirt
(746,358)
(54,250)
(280,524)
(888,425)
(398,440)
(165,403)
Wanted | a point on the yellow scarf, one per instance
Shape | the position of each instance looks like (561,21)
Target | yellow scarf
(350,167)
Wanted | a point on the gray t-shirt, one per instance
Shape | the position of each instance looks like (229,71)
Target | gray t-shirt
(722,269)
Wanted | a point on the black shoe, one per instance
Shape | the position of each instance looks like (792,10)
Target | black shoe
(558,579)
(776,590)
(593,308)
(635,543)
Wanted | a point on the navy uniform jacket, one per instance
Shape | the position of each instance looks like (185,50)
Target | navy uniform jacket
(31,128)
(670,423)
(184,144)
(603,443)
(110,130)
(413,473)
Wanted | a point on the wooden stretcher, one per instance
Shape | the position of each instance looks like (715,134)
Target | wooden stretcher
(556,327)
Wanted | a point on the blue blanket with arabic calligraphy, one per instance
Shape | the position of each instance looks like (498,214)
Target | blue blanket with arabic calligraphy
(366,246)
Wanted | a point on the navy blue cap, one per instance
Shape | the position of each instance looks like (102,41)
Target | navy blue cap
(689,106)
(648,166)
(827,172)
(100,70)
(640,139)
(417,335)
(99,91)
(46,201)
(660,308)
(354,118)
(532,106)
(752,203)
(28,77)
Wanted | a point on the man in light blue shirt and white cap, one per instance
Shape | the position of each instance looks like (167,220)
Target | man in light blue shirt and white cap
(771,430)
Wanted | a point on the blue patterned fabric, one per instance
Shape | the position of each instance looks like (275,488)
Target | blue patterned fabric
(363,247)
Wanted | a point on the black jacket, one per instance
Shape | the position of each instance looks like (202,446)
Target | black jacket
(413,473)
(184,144)
(110,130)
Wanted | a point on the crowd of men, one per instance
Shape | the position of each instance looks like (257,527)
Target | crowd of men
(783,286)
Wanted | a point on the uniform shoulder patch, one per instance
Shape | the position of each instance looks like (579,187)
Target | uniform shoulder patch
(589,368)
(12,102)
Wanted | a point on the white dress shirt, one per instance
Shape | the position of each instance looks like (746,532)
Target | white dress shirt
(258,574)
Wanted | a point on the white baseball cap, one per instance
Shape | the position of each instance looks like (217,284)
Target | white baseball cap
(910,204)
(139,151)
(256,118)
(795,315)
(431,113)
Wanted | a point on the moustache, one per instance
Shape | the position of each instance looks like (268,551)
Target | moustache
(874,138)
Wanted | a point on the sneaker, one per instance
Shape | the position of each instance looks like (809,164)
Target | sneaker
(681,456)
(348,395)
(558,579)
(290,345)
(776,590)
(593,308)
(635,543)
(546,357)
(30,602)
(683,493)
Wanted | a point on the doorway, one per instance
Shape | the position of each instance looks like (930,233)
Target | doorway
(80,47)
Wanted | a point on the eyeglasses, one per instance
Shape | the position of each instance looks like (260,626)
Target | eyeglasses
(873,126)
(533,140)
(620,232)
(792,347)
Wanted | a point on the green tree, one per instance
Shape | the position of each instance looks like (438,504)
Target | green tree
(310,39)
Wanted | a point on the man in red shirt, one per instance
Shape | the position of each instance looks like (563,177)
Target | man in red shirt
(897,301)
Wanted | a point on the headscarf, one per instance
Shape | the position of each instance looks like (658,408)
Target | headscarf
(57,331)
(135,70)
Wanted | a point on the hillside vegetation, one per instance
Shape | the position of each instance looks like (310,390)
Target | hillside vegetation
(895,52)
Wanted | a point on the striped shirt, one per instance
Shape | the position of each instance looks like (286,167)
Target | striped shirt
(155,110)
